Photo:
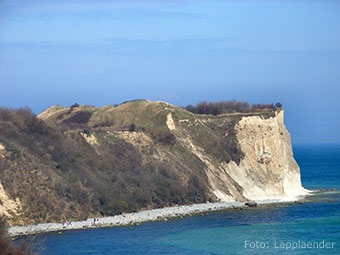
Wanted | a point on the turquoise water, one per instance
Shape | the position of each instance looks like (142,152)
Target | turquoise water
(275,228)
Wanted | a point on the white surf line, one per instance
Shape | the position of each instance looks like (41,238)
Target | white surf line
(132,218)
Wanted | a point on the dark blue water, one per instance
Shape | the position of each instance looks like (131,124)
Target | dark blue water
(272,229)
(320,165)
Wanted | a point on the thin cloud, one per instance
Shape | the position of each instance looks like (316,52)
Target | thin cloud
(95,9)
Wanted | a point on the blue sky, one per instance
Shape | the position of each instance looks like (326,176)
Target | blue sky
(105,52)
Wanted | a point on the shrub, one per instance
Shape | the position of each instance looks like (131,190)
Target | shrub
(8,248)
(222,107)
(133,100)
(24,120)
(74,105)
(278,105)
(80,117)
(132,127)
(164,137)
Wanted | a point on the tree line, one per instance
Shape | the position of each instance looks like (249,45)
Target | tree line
(232,106)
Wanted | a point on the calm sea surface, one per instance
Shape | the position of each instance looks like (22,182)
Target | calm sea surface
(273,230)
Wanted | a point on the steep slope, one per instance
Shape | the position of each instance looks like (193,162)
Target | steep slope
(82,161)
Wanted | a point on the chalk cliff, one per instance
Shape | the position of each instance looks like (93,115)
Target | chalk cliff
(82,161)
(268,169)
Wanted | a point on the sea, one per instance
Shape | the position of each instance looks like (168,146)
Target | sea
(312,227)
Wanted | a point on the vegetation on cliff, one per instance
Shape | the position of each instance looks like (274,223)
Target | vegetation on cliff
(81,161)
(223,107)
(7,246)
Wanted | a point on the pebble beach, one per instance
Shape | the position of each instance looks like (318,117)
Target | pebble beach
(131,218)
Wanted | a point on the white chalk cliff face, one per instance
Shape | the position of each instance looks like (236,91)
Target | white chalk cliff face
(268,170)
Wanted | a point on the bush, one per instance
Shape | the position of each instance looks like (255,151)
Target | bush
(80,117)
(132,127)
(164,137)
(74,105)
(222,107)
(8,248)
(24,120)
(278,105)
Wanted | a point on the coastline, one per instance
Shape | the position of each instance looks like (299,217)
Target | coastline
(138,217)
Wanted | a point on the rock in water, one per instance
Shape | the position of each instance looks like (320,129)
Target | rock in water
(251,204)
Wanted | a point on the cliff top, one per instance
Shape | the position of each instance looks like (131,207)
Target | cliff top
(144,113)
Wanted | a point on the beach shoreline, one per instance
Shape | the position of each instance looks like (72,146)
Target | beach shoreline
(161,214)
